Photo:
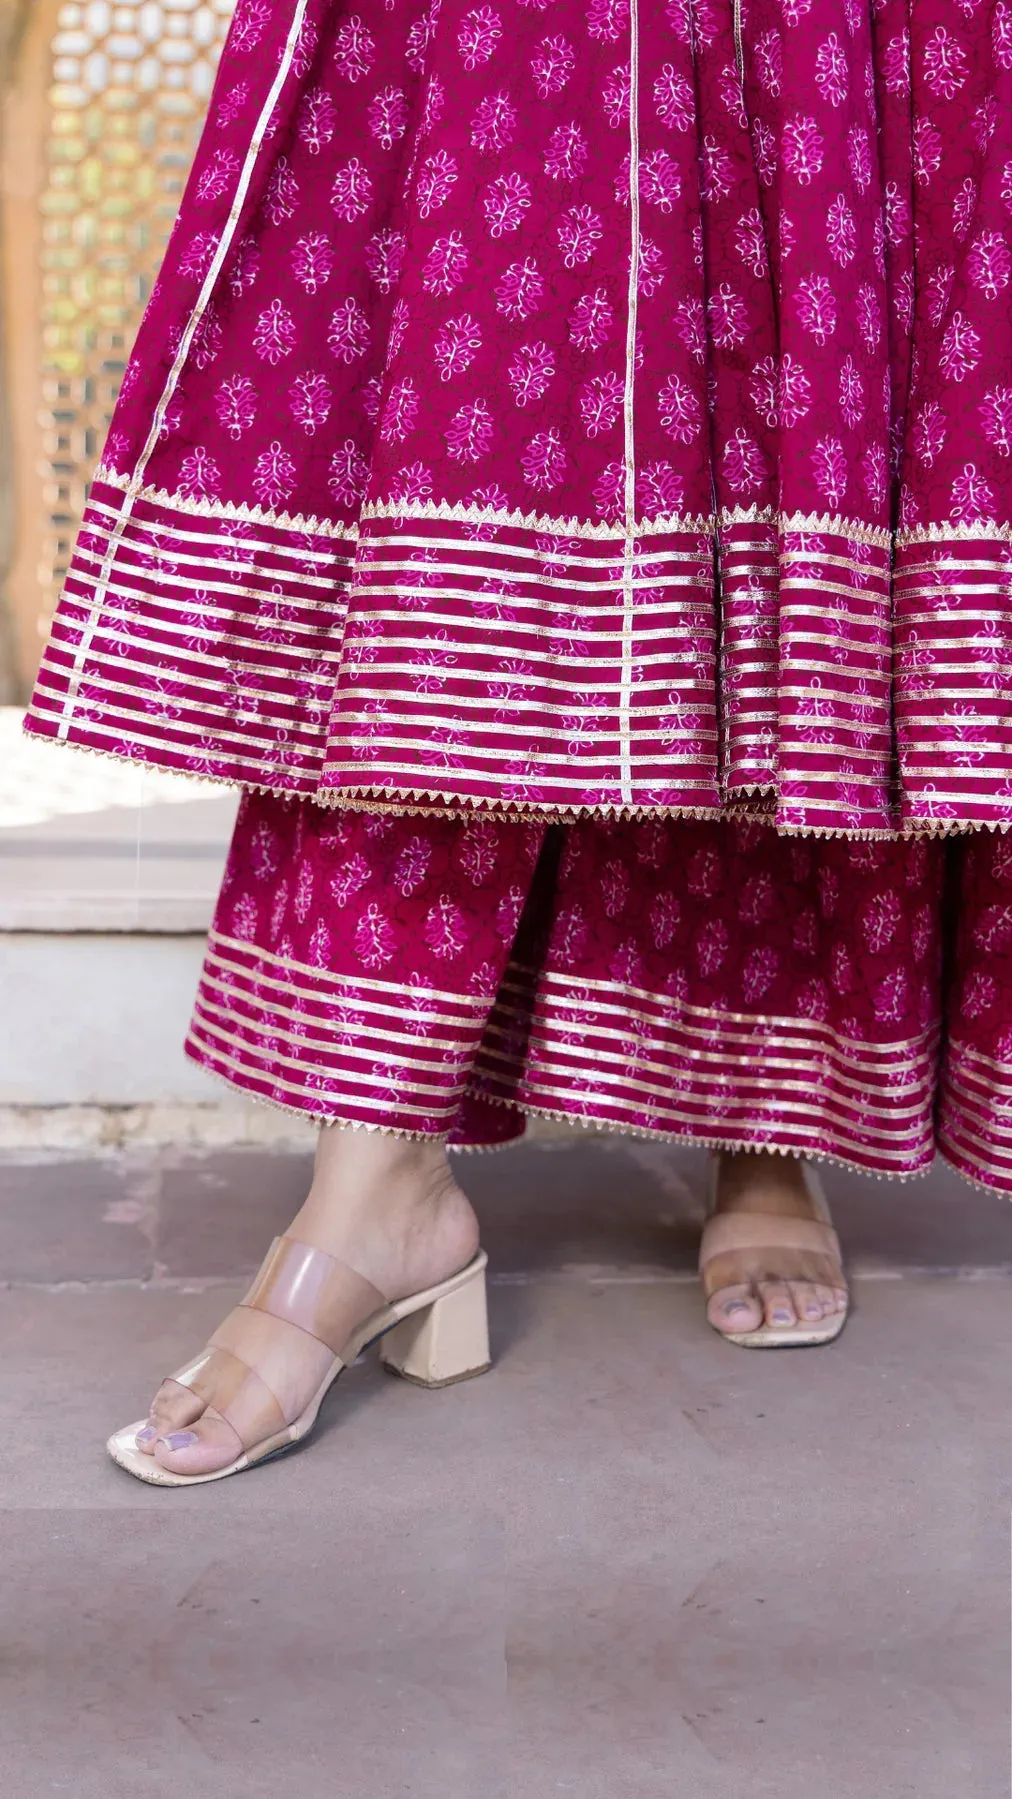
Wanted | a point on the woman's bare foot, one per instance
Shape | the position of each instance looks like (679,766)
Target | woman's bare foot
(811,1286)
(389,1207)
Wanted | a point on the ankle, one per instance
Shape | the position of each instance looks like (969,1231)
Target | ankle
(762,1181)
(374,1172)
(389,1206)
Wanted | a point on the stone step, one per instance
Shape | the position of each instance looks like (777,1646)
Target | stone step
(108,876)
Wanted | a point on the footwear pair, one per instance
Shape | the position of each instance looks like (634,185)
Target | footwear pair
(433,1339)
(440,1336)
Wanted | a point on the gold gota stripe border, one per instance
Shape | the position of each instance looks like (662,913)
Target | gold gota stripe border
(549,1072)
(989,1118)
(519,770)
(545,780)
(546,1048)
(758,1141)
(298,780)
(972,1161)
(687,1133)
(547,1026)
(490,551)
(376,801)
(972,609)
(399,991)
(982,1139)
(959,1137)
(192,728)
(439,1028)
(141,529)
(134,750)
(431,580)
(558,525)
(254,1086)
(919,760)
(536,624)
(598,707)
(983,1096)
(884,1145)
(438,590)
(751,1022)
(601,703)
(316,613)
(411,1003)
(709,1073)
(789,1120)
(298,523)
(551,762)
(413,590)
(273,1078)
(555,763)
(603,700)
(966,1055)
(232,1046)
(869,615)
(815,777)
(507,674)
(331,1046)
(765,1031)
(751,804)
(143,563)
(298,671)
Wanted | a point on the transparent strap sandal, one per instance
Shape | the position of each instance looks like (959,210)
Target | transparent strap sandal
(434,1338)
(743,1248)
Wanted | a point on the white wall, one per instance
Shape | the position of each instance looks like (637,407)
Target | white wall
(91,1019)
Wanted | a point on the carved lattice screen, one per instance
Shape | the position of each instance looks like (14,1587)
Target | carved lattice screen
(124,90)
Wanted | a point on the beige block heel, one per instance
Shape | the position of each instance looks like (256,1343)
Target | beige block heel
(432,1338)
(446,1342)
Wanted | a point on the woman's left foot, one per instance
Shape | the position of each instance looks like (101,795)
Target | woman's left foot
(760,1275)
(391,1214)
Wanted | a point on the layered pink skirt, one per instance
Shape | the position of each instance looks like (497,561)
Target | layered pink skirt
(717,984)
(572,410)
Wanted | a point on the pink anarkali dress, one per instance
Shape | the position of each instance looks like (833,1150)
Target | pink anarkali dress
(564,476)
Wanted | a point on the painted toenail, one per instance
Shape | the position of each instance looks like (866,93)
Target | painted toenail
(145,1435)
(781,1317)
(735,1305)
(179,1439)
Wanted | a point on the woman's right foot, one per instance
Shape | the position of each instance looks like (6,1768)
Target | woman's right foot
(387,1207)
(782,1287)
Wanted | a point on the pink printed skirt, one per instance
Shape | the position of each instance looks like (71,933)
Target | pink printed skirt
(573,410)
(718,984)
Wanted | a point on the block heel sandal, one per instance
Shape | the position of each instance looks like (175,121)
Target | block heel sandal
(433,1339)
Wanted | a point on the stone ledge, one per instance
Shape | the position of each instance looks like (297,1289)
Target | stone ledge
(231,1123)
(150,870)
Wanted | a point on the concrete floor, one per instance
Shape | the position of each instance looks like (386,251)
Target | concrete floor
(632,1561)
